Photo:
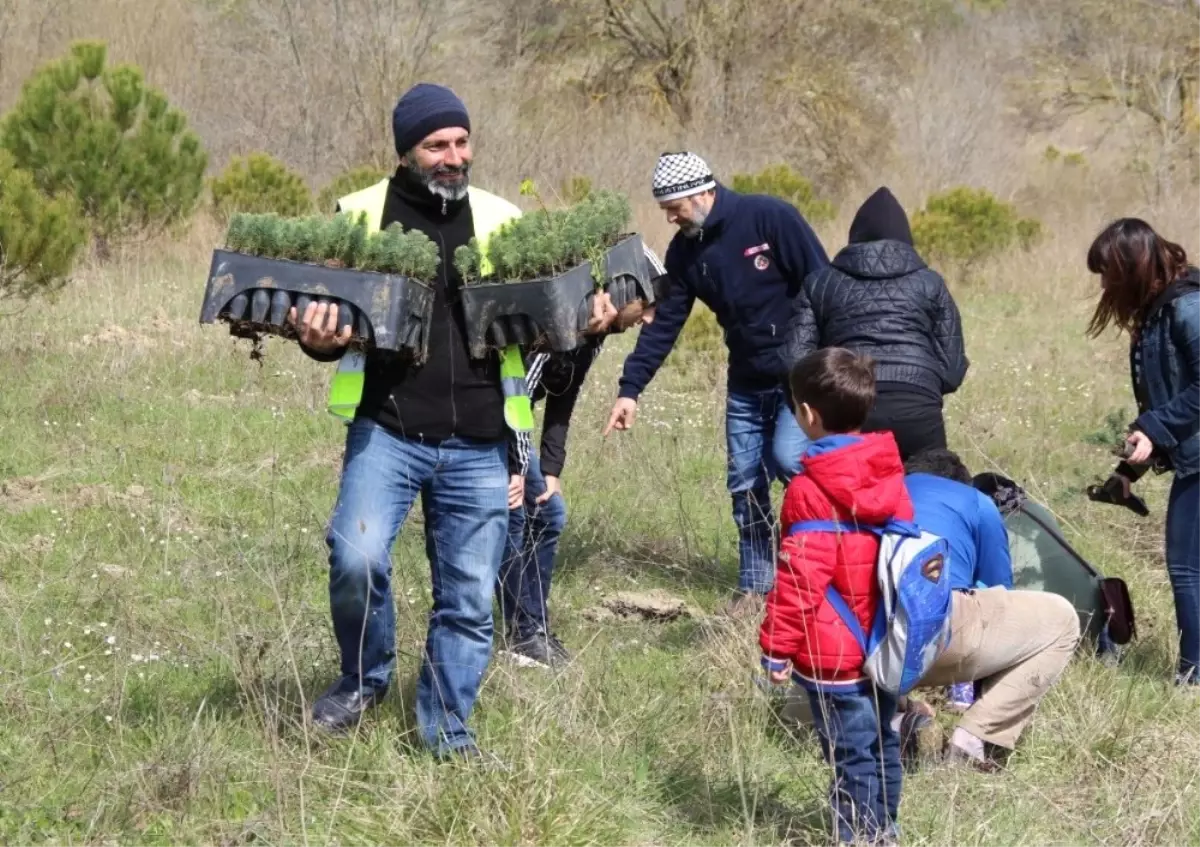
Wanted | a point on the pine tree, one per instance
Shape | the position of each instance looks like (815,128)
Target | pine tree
(259,183)
(104,135)
(40,237)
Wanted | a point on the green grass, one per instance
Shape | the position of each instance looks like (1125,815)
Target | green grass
(164,609)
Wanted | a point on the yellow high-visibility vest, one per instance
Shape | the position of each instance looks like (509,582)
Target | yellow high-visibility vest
(489,213)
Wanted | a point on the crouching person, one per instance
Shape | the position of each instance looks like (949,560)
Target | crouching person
(1014,644)
(846,477)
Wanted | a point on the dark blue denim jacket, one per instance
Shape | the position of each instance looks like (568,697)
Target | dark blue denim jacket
(1168,390)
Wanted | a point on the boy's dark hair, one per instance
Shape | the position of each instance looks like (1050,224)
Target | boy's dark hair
(938,461)
(838,384)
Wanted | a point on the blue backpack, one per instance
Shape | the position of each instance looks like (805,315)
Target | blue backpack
(912,621)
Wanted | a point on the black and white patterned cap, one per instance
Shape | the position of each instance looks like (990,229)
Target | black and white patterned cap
(680,175)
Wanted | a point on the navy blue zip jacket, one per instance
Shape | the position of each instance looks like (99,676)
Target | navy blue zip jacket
(747,264)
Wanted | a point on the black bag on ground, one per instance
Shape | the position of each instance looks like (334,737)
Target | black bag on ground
(1043,560)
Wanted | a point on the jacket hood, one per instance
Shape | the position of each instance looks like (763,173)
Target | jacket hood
(862,475)
(880,218)
(1186,284)
(885,259)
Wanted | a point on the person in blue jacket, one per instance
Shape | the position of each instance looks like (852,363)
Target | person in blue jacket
(745,256)
(947,504)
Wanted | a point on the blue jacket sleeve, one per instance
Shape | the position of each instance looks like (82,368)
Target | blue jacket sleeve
(993,563)
(656,340)
(1178,419)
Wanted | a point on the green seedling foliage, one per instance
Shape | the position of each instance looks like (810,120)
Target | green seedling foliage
(547,242)
(110,140)
(40,237)
(466,261)
(338,241)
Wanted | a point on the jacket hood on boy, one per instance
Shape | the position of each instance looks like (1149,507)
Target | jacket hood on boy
(880,218)
(861,476)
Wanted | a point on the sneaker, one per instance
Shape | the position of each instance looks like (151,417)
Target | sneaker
(540,649)
(342,706)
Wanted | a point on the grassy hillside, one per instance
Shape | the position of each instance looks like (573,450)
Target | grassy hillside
(164,610)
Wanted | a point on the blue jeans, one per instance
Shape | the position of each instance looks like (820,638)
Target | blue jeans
(764,442)
(857,738)
(464,494)
(533,533)
(1183,568)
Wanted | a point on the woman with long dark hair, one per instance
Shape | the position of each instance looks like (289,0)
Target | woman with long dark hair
(1149,290)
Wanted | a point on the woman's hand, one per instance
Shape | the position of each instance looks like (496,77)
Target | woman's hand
(1139,446)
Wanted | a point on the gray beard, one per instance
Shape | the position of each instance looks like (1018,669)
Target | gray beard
(692,230)
(438,189)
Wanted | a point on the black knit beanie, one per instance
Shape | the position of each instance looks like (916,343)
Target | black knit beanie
(423,109)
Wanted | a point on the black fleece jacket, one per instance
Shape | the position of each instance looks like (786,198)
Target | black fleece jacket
(451,394)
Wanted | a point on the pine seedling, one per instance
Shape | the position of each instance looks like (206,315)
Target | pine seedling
(427,257)
(235,234)
(467,261)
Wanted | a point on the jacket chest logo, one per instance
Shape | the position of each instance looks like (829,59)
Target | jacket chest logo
(759,252)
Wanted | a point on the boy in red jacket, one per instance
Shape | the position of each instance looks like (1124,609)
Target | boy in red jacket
(845,476)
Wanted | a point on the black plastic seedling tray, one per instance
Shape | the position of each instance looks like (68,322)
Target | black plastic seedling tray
(253,295)
(554,310)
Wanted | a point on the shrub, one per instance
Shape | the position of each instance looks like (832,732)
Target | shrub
(786,184)
(109,139)
(335,242)
(259,184)
(40,237)
(546,242)
(967,225)
(348,182)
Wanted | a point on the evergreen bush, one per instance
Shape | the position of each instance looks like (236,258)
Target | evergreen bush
(40,237)
(966,225)
(786,184)
(259,184)
(548,242)
(348,182)
(335,242)
(109,139)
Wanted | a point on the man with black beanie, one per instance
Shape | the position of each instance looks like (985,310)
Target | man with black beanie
(879,297)
(437,429)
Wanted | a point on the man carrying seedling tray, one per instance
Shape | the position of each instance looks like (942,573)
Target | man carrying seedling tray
(745,256)
(537,508)
(438,430)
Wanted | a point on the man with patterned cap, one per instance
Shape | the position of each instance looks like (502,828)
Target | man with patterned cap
(439,430)
(745,256)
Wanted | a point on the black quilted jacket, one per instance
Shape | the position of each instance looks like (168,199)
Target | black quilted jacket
(880,298)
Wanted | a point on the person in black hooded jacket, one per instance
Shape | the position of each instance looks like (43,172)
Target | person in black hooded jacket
(879,297)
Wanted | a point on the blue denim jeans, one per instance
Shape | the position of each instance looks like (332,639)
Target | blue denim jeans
(1183,568)
(463,486)
(533,533)
(764,442)
(857,738)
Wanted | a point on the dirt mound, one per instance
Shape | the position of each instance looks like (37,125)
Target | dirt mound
(652,605)
(21,493)
(116,336)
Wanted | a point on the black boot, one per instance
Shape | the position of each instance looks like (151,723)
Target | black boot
(343,704)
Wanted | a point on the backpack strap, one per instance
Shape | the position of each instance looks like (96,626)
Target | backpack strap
(831,594)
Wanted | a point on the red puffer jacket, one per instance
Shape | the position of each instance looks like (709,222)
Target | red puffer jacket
(843,478)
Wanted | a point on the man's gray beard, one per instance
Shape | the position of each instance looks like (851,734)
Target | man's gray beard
(693,229)
(438,189)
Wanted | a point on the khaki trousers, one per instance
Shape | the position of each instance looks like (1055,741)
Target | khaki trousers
(1017,643)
